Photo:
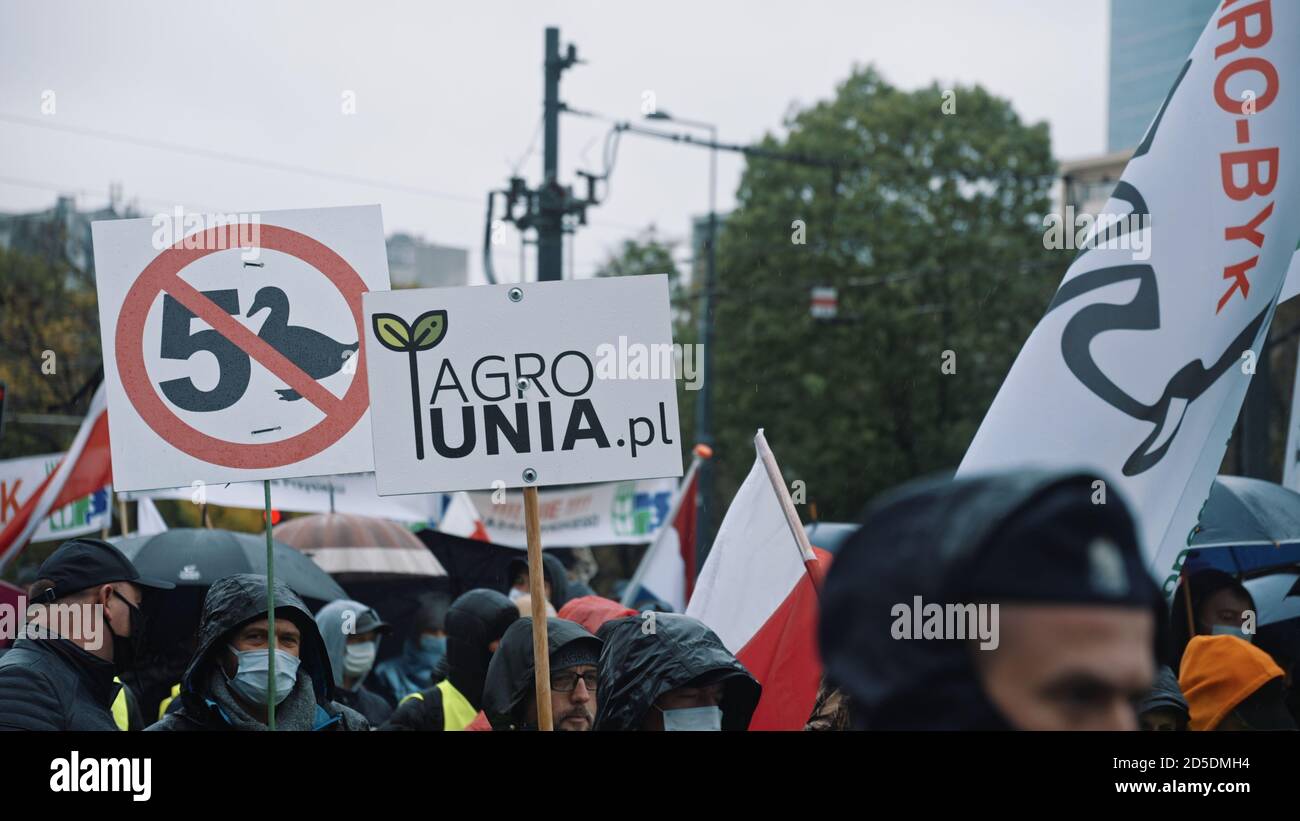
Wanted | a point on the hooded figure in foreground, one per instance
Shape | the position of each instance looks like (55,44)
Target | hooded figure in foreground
(509,697)
(1013,600)
(672,673)
(225,687)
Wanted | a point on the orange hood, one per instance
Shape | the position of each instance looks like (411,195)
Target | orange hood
(1218,673)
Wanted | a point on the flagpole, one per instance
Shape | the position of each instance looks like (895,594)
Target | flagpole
(699,454)
(270,611)
(806,554)
(537,591)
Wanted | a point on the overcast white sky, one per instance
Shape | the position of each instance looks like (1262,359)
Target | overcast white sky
(448,96)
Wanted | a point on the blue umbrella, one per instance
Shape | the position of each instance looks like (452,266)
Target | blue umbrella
(1247,527)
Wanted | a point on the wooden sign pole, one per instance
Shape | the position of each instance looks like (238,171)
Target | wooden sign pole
(537,590)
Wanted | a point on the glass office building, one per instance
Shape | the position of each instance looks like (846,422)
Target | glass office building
(1149,40)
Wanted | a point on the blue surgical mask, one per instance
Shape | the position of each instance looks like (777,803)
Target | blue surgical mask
(359,658)
(1229,630)
(249,681)
(434,647)
(695,719)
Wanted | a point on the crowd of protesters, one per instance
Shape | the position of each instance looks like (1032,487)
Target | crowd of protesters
(1085,640)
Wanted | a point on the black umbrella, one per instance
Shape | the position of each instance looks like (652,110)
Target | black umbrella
(194,558)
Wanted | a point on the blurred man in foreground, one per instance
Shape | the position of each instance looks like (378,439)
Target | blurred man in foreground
(1047,563)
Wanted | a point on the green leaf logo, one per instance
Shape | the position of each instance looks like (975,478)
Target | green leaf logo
(429,330)
(395,335)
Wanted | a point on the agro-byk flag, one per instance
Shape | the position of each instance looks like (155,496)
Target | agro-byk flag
(1142,360)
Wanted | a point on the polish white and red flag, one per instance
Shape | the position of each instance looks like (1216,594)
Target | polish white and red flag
(461,519)
(84,469)
(667,569)
(758,591)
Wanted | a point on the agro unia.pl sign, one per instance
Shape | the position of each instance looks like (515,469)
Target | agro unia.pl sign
(536,384)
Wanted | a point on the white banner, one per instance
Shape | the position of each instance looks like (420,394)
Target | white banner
(544,383)
(351,492)
(231,343)
(19,479)
(1140,365)
(610,513)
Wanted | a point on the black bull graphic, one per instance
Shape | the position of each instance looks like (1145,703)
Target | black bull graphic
(1142,313)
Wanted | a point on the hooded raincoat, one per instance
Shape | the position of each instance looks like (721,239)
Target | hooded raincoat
(510,674)
(362,619)
(207,701)
(638,665)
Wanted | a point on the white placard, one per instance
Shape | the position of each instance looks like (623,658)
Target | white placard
(230,343)
(546,383)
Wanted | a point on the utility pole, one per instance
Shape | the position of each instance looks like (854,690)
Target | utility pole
(549,207)
(550,222)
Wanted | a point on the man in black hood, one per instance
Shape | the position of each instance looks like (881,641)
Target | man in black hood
(226,685)
(665,671)
(88,624)
(555,580)
(475,623)
(509,695)
(1049,560)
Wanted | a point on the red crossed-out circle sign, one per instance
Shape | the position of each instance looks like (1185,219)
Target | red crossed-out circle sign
(162,275)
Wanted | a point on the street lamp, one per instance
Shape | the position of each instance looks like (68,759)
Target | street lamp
(704,405)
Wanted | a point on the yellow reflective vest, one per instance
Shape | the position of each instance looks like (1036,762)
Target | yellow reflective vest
(457,712)
(121,714)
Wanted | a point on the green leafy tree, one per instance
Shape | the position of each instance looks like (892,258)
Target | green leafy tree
(649,254)
(49,340)
(930,229)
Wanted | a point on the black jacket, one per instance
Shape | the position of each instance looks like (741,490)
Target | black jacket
(510,674)
(52,684)
(475,620)
(637,665)
(231,602)
(373,706)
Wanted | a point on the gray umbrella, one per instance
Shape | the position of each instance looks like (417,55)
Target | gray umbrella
(194,558)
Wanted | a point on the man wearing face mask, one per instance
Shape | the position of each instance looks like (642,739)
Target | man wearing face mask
(351,631)
(226,684)
(422,662)
(1219,607)
(475,624)
(86,626)
(672,673)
